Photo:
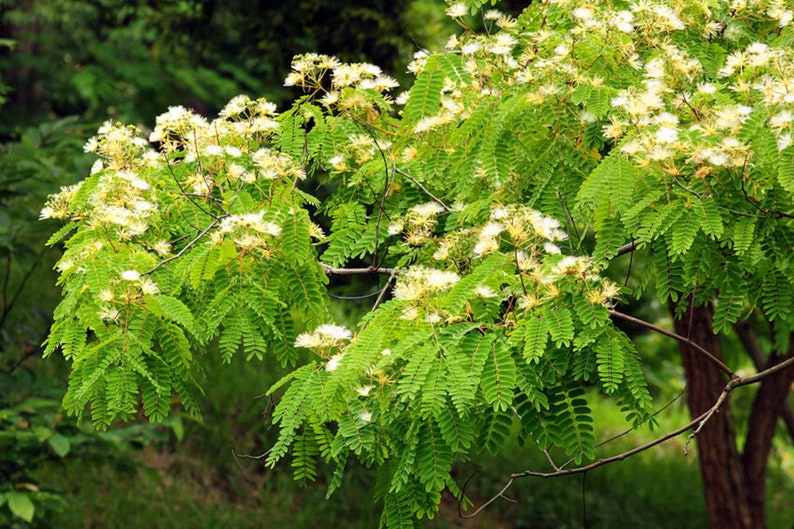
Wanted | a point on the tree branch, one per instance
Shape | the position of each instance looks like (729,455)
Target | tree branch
(719,363)
(423,188)
(186,248)
(698,423)
(753,348)
(333,271)
(627,248)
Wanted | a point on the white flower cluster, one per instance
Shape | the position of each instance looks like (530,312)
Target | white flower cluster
(308,71)
(248,230)
(129,288)
(324,340)
(523,225)
(417,227)
(272,165)
(57,206)
(243,118)
(419,282)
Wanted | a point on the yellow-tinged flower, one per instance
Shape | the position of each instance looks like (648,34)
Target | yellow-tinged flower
(457,10)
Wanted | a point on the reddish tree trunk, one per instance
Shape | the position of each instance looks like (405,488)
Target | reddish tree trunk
(724,482)
(768,405)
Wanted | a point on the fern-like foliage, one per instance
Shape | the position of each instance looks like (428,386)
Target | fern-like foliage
(490,207)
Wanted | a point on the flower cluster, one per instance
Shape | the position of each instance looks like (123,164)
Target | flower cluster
(316,71)
(419,222)
(420,282)
(526,227)
(247,231)
(129,287)
(119,145)
(327,340)
(58,204)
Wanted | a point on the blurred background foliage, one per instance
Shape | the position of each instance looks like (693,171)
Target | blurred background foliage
(68,65)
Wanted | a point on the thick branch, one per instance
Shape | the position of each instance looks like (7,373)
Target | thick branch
(753,348)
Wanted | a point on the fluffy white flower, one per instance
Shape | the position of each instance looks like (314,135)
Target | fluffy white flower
(457,10)
(333,362)
(666,135)
(582,13)
(484,291)
(364,390)
(492,229)
(336,332)
(130,275)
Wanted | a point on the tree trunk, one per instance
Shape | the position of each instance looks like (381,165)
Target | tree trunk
(768,405)
(724,482)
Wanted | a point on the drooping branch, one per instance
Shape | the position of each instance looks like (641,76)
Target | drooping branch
(697,424)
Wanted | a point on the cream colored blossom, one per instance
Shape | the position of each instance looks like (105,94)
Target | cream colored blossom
(364,390)
(457,10)
(484,291)
(333,362)
(130,275)
(419,281)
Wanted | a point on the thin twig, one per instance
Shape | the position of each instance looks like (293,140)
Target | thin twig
(697,423)
(186,247)
(182,190)
(719,363)
(423,188)
(333,271)
(7,308)
(383,292)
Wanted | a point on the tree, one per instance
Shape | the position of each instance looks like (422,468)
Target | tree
(131,59)
(488,202)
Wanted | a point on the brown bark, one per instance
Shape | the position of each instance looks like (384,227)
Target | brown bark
(750,342)
(725,487)
(767,408)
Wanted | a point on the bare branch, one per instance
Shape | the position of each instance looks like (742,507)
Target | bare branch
(627,248)
(697,423)
(333,271)
(383,292)
(8,305)
(753,348)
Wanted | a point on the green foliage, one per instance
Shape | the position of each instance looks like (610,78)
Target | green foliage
(477,201)
(131,60)
(33,433)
